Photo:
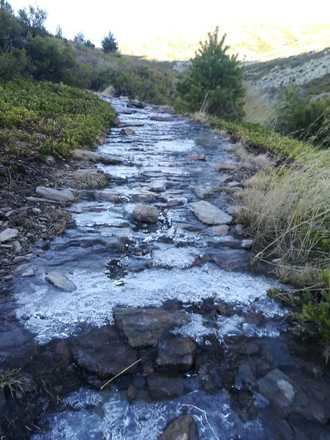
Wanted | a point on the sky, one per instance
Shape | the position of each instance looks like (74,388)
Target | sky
(172,28)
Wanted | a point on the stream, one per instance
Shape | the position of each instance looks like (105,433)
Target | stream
(208,341)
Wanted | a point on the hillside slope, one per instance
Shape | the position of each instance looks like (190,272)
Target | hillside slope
(264,81)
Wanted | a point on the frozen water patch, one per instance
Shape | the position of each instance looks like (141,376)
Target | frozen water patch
(116,419)
(177,145)
(173,257)
(196,328)
(236,325)
(50,314)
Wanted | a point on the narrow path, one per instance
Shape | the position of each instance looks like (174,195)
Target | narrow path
(178,290)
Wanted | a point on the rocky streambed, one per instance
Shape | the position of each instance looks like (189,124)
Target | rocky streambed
(145,320)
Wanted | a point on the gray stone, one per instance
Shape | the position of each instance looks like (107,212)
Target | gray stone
(144,327)
(181,428)
(8,235)
(92,156)
(89,179)
(176,353)
(163,387)
(221,230)
(226,166)
(103,352)
(145,214)
(277,388)
(127,131)
(60,281)
(158,186)
(161,118)
(210,214)
(59,195)
(231,259)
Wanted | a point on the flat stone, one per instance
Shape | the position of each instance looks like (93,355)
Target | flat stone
(181,428)
(145,214)
(231,259)
(226,166)
(221,230)
(103,352)
(89,179)
(277,388)
(60,281)
(210,214)
(93,156)
(163,387)
(8,235)
(158,186)
(161,118)
(176,353)
(144,326)
(59,195)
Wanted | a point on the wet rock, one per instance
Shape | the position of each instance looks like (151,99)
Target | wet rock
(221,230)
(58,195)
(92,156)
(231,259)
(158,186)
(176,353)
(277,388)
(201,157)
(8,235)
(60,281)
(144,327)
(247,244)
(161,118)
(102,352)
(210,214)
(210,376)
(250,348)
(246,377)
(182,428)
(163,387)
(226,166)
(205,191)
(145,214)
(131,393)
(136,104)
(89,179)
(126,131)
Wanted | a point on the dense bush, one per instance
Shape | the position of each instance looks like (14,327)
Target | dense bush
(41,117)
(304,118)
(109,44)
(213,83)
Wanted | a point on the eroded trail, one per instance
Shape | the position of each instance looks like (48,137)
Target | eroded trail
(176,296)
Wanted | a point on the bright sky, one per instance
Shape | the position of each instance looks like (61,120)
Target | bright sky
(140,25)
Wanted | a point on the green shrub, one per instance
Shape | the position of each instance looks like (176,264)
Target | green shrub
(213,83)
(42,117)
(304,118)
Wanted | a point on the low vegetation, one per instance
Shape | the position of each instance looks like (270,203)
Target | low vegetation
(41,117)
(303,117)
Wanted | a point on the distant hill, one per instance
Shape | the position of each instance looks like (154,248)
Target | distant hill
(265,80)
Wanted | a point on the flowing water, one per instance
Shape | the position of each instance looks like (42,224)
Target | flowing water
(157,265)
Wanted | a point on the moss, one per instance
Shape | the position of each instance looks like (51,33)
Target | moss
(39,118)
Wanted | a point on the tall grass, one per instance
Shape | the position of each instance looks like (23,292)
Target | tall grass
(287,210)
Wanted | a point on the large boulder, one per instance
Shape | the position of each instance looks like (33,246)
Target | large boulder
(145,214)
(210,214)
(277,388)
(181,428)
(60,281)
(164,387)
(144,327)
(89,179)
(57,195)
(176,353)
(102,352)
(8,235)
(92,156)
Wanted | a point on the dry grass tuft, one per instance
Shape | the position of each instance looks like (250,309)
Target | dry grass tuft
(288,212)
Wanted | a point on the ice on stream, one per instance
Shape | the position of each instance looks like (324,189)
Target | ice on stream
(111,417)
(50,313)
